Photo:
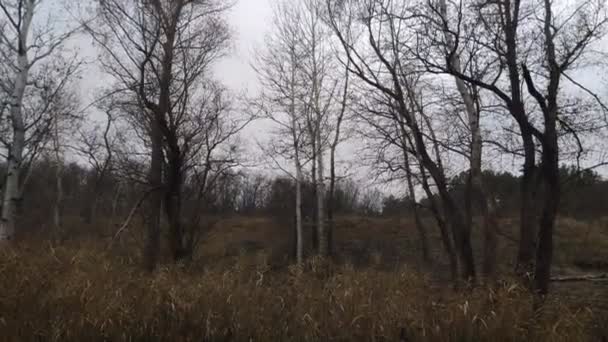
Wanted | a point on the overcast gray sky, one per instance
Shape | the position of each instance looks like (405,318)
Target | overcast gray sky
(249,20)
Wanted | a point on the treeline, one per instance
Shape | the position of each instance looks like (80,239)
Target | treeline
(84,199)
(585,194)
(87,200)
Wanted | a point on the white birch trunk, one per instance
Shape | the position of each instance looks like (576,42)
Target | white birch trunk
(479,195)
(15,153)
(298,164)
(299,178)
(58,179)
(299,235)
(317,136)
(322,236)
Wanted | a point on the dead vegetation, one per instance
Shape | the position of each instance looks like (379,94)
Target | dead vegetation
(82,290)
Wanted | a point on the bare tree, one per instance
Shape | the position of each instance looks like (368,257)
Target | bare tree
(129,61)
(470,99)
(209,152)
(200,41)
(279,72)
(448,35)
(316,70)
(160,52)
(392,157)
(566,39)
(325,107)
(382,64)
(337,137)
(26,53)
(507,33)
(317,102)
(420,226)
(65,117)
(96,146)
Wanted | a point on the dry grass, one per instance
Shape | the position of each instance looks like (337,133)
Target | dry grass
(81,291)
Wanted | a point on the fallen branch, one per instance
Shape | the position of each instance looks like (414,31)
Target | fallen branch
(133,211)
(586,277)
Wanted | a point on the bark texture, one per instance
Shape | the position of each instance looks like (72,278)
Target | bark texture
(11,195)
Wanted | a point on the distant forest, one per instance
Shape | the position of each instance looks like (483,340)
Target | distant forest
(88,198)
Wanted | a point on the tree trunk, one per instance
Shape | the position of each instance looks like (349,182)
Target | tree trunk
(444,218)
(331,201)
(462,237)
(58,200)
(544,253)
(475,192)
(173,210)
(89,210)
(443,228)
(479,197)
(460,231)
(58,182)
(299,234)
(173,203)
(525,254)
(91,201)
(527,228)
(468,200)
(332,163)
(490,238)
(550,158)
(321,234)
(158,131)
(314,210)
(422,232)
(15,151)
(152,247)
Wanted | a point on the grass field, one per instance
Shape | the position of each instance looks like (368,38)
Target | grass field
(241,287)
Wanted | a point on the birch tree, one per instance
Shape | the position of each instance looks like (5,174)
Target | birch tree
(28,47)
(315,68)
(472,107)
(445,31)
(283,87)
(326,109)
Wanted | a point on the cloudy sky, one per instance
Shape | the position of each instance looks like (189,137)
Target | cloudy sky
(249,20)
